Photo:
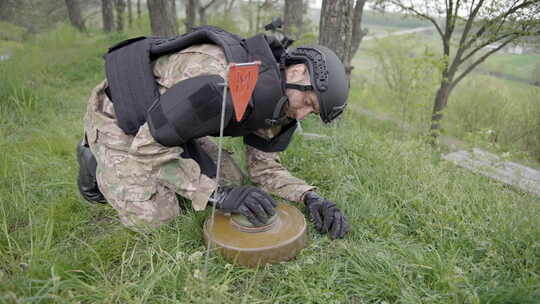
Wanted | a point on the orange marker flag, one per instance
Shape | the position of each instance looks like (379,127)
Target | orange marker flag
(242,80)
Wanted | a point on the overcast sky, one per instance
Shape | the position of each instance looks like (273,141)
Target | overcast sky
(316,3)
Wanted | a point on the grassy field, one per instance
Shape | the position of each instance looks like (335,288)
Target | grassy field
(520,66)
(400,77)
(423,231)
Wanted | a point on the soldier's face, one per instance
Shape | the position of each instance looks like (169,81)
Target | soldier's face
(301,104)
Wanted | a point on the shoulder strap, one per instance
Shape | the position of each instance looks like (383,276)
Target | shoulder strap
(233,45)
(132,86)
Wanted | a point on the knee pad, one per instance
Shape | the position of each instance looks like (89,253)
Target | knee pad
(86,180)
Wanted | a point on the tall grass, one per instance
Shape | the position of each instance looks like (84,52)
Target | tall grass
(484,111)
(501,115)
(422,231)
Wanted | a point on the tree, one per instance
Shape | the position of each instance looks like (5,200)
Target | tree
(535,73)
(191,13)
(130,13)
(229,4)
(335,28)
(75,15)
(249,9)
(139,12)
(202,11)
(108,15)
(174,13)
(293,18)
(120,6)
(162,19)
(264,7)
(482,28)
(357,32)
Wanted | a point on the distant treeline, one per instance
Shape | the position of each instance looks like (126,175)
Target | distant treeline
(391,19)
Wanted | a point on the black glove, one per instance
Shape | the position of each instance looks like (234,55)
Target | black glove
(326,216)
(253,203)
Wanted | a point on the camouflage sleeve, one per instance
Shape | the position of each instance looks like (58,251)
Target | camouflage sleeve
(266,171)
(177,173)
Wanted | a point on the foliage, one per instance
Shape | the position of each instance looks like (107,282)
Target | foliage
(423,231)
(535,73)
(503,118)
(392,19)
(513,65)
(470,33)
(227,23)
(41,15)
(409,77)
(11,32)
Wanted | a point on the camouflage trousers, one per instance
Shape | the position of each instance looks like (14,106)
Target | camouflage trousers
(143,202)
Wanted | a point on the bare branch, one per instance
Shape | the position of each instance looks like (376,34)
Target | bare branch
(485,26)
(488,42)
(455,14)
(480,60)
(419,14)
(470,21)
(209,4)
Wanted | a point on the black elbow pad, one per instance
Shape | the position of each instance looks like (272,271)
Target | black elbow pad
(190,109)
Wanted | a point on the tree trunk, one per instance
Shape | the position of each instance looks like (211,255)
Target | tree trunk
(120,6)
(335,28)
(441,101)
(175,13)
(75,16)
(202,11)
(357,33)
(250,16)
(202,16)
(107,14)
(130,13)
(139,12)
(293,18)
(162,19)
(191,13)
(258,18)
(229,6)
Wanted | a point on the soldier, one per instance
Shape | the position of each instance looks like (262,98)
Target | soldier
(147,127)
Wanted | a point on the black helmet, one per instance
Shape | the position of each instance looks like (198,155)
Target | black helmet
(328,78)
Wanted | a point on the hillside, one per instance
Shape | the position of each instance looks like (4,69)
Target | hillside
(423,231)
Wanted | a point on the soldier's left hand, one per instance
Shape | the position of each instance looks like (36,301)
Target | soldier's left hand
(326,216)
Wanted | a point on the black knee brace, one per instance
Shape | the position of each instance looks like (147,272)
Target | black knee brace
(86,181)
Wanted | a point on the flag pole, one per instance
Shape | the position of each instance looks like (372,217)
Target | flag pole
(221,127)
(239,113)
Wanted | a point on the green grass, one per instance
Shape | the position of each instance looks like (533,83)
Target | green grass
(423,231)
(7,47)
(9,31)
(520,66)
(484,111)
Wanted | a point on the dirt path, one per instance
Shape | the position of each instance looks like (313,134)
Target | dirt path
(399,33)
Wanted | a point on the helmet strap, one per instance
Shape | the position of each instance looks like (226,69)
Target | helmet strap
(276,116)
(300,87)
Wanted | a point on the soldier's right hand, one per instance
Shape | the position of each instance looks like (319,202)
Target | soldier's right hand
(253,203)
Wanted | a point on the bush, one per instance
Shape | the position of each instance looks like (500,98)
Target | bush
(535,74)
(504,118)
(408,76)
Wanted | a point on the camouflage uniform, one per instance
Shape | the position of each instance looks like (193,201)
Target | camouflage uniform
(140,177)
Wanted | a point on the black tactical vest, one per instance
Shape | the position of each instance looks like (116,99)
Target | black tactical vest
(191,108)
